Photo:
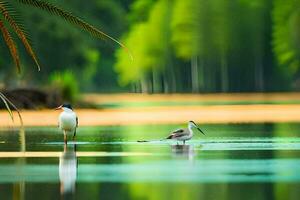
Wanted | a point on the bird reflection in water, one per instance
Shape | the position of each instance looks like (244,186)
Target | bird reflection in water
(68,170)
(183,151)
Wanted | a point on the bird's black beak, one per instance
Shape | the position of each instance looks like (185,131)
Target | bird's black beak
(58,108)
(200,130)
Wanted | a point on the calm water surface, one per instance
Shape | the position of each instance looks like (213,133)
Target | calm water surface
(237,161)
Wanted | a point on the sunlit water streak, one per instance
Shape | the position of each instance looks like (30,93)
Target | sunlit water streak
(225,170)
(216,144)
(184,168)
(45,154)
(249,144)
(195,141)
(215,170)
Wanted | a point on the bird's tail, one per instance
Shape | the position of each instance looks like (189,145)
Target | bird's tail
(169,137)
(143,141)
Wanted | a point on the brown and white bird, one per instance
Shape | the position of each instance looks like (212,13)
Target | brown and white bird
(184,133)
(67,120)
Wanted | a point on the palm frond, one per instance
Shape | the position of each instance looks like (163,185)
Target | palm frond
(2,97)
(8,103)
(18,30)
(11,45)
(68,16)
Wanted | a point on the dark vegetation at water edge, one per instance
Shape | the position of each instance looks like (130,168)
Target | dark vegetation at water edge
(31,98)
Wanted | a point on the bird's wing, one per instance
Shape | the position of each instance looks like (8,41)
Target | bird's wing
(170,136)
(176,133)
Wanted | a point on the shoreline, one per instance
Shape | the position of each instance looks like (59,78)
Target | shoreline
(162,115)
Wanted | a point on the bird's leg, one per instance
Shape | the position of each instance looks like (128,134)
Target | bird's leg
(74,134)
(183,142)
(65,147)
(65,137)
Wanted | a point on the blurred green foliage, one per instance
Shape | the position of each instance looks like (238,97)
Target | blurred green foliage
(59,45)
(178,46)
(148,42)
(66,85)
(286,33)
(212,46)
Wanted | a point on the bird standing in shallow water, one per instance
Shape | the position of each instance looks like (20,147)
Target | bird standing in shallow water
(67,120)
(185,133)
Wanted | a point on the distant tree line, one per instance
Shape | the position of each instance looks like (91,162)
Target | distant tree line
(212,46)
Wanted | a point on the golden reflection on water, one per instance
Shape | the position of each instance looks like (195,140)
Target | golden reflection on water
(49,154)
(22,139)
(19,187)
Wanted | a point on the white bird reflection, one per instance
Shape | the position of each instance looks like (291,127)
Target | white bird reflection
(183,151)
(68,169)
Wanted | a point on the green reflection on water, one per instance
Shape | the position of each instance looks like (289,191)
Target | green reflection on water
(248,161)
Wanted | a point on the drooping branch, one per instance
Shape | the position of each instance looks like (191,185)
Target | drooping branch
(69,17)
(20,33)
(11,45)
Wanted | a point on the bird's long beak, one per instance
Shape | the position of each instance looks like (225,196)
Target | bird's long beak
(58,108)
(200,130)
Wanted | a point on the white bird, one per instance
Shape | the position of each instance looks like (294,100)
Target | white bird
(184,133)
(67,120)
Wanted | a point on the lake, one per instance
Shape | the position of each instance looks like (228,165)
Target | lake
(233,161)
